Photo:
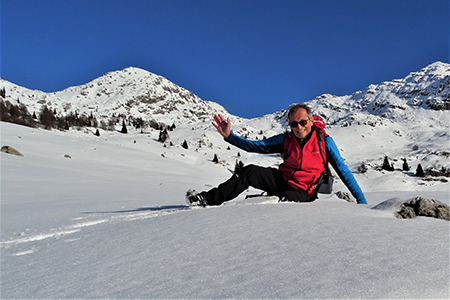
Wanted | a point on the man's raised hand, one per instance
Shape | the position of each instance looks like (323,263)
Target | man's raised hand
(223,126)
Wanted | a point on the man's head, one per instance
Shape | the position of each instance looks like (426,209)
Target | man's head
(300,119)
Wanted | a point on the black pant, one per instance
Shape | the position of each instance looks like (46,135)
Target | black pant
(266,179)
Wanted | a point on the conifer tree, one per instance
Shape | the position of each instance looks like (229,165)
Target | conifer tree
(163,136)
(386,165)
(405,165)
(185,145)
(47,118)
(215,159)
(124,128)
(419,171)
(97,133)
(238,166)
(363,168)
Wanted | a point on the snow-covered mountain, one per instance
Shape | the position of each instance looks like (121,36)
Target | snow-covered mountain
(393,114)
(130,92)
(86,216)
(419,97)
(133,92)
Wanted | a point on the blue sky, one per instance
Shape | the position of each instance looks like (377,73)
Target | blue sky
(254,57)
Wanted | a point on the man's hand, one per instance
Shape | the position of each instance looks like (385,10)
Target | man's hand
(223,126)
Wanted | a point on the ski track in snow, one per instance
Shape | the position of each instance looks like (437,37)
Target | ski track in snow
(97,218)
(62,232)
(119,215)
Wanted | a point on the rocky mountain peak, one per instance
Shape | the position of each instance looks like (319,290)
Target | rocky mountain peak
(408,99)
(131,92)
(136,93)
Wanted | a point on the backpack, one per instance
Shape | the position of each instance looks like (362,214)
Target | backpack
(323,185)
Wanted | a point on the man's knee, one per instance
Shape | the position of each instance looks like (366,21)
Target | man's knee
(252,172)
(248,168)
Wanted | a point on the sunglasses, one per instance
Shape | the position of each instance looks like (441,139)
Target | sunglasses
(294,124)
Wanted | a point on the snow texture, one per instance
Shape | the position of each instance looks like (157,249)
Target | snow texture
(105,217)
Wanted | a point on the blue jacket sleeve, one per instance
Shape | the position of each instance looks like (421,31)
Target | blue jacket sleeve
(335,159)
(271,145)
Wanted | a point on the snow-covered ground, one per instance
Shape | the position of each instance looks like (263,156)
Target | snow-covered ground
(110,221)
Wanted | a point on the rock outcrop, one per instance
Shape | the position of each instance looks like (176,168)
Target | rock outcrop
(424,207)
(10,150)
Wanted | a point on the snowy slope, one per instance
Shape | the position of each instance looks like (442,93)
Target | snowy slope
(104,217)
(111,222)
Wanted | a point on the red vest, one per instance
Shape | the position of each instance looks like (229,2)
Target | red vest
(301,167)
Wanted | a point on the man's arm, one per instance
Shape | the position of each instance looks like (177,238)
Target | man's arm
(335,159)
(271,145)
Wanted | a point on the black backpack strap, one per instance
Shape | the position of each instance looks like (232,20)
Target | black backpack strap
(325,174)
(320,138)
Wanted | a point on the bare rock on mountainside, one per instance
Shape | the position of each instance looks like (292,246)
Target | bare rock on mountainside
(10,150)
(424,207)
(407,99)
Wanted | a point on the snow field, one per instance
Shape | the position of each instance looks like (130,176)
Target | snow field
(111,222)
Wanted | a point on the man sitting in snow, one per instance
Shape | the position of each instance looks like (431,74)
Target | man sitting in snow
(304,160)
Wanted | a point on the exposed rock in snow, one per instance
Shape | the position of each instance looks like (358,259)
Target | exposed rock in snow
(424,207)
(10,150)
(344,196)
(415,207)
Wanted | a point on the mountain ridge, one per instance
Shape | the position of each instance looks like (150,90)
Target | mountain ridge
(129,92)
(420,95)
(137,93)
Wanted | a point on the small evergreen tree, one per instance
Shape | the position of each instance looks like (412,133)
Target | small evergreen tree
(363,168)
(185,145)
(405,165)
(215,159)
(445,171)
(386,165)
(238,167)
(124,128)
(47,118)
(163,136)
(140,123)
(97,133)
(419,171)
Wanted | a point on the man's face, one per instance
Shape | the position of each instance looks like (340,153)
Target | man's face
(300,116)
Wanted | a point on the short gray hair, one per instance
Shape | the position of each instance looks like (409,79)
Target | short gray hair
(294,107)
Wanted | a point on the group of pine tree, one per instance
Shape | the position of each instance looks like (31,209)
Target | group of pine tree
(387,166)
(49,119)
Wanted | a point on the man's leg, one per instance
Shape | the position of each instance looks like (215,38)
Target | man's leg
(267,179)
